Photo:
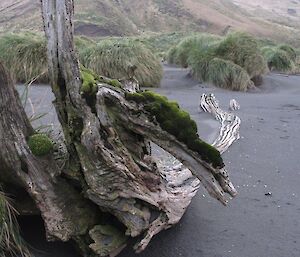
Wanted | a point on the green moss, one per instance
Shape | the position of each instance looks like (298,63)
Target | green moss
(89,82)
(115,83)
(178,123)
(40,144)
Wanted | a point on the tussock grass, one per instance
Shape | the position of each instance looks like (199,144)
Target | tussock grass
(82,42)
(231,62)
(280,61)
(222,73)
(199,63)
(25,56)
(290,51)
(282,58)
(226,74)
(114,58)
(10,239)
(180,53)
(243,50)
(161,43)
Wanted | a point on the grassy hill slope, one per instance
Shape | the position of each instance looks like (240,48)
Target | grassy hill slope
(134,17)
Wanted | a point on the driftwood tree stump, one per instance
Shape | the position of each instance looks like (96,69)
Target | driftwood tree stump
(230,123)
(109,187)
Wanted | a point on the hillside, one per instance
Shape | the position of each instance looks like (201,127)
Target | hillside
(277,19)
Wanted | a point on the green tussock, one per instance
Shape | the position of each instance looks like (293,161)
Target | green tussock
(171,55)
(160,43)
(243,50)
(290,51)
(11,242)
(180,53)
(199,63)
(229,63)
(178,123)
(25,55)
(82,42)
(280,61)
(280,58)
(40,144)
(114,58)
(227,74)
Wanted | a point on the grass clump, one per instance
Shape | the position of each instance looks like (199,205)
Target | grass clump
(180,53)
(280,58)
(160,43)
(224,73)
(25,55)
(243,50)
(178,123)
(113,58)
(40,144)
(11,242)
(199,63)
(229,63)
(280,61)
(290,51)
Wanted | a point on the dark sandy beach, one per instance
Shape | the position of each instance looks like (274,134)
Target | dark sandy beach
(265,160)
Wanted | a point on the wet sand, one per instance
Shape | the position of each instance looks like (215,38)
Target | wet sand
(264,160)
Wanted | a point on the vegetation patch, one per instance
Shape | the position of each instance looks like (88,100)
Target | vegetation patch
(243,50)
(290,51)
(180,53)
(282,58)
(114,58)
(10,238)
(161,43)
(25,55)
(227,74)
(178,123)
(89,81)
(40,144)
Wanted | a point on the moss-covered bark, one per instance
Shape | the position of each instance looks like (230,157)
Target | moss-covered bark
(178,123)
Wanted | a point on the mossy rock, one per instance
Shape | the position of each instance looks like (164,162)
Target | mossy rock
(40,144)
(178,123)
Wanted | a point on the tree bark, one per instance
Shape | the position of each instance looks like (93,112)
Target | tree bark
(109,171)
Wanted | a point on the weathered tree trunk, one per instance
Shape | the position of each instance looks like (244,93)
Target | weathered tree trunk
(108,171)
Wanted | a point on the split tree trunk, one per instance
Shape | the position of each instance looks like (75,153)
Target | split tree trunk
(109,172)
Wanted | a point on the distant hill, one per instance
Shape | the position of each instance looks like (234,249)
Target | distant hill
(279,19)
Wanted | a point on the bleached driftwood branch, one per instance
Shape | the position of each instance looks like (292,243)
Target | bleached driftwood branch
(230,123)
